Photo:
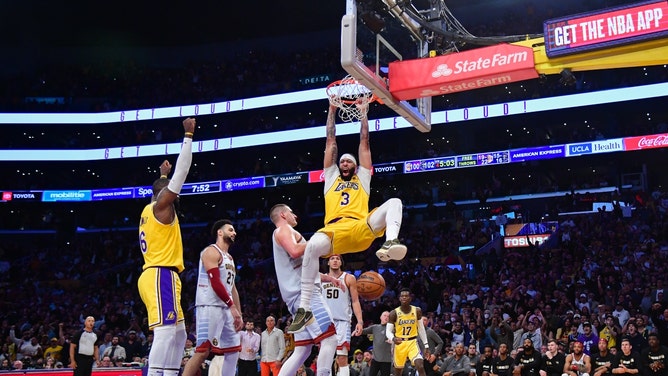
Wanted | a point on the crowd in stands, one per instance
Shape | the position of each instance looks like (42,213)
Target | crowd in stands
(597,267)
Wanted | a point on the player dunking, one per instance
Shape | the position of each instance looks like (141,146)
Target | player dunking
(288,247)
(349,226)
(340,300)
(217,303)
(159,284)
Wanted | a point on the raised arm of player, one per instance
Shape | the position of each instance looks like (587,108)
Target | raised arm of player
(165,169)
(331,150)
(364,152)
(164,209)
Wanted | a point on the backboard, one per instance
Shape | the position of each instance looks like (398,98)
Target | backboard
(366,53)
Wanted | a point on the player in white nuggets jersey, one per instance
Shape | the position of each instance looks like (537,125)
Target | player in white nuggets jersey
(288,246)
(217,305)
(343,303)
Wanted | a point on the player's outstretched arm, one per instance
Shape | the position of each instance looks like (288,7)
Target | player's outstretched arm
(355,303)
(163,208)
(331,150)
(364,152)
(165,169)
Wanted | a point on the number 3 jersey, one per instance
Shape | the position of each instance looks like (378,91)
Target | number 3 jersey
(205,296)
(346,198)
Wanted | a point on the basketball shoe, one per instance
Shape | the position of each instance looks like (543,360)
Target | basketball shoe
(302,319)
(392,250)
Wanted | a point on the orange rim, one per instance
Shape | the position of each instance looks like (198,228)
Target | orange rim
(338,83)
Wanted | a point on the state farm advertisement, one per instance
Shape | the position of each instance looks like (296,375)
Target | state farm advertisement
(483,67)
(606,28)
(654,141)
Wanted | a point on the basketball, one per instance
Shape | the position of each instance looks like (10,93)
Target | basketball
(370,285)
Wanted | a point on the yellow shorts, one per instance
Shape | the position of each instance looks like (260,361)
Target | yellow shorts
(407,349)
(349,235)
(160,290)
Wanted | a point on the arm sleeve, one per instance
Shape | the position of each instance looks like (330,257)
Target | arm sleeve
(182,166)
(389,331)
(217,286)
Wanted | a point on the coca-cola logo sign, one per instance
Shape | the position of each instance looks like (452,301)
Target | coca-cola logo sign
(646,142)
(653,142)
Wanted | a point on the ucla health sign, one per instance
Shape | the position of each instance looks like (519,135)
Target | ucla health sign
(595,147)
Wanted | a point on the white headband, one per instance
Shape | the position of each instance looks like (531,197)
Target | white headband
(349,157)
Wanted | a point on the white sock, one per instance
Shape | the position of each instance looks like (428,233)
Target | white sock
(388,216)
(319,245)
(179,342)
(163,337)
(230,362)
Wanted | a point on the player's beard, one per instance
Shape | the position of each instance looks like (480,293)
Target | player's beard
(228,240)
(346,177)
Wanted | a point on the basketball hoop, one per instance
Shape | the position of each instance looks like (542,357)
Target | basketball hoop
(351,97)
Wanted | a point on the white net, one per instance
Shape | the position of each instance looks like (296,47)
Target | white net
(351,97)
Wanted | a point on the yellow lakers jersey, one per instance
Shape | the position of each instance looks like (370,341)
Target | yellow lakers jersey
(346,199)
(406,324)
(160,244)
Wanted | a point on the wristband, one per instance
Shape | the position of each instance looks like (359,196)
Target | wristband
(188,134)
(163,176)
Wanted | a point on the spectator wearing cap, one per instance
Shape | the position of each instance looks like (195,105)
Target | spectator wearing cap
(610,331)
(533,329)
(577,321)
(189,349)
(621,313)
(53,350)
(583,301)
(118,361)
(589,339)
(358,364)
(133,346)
